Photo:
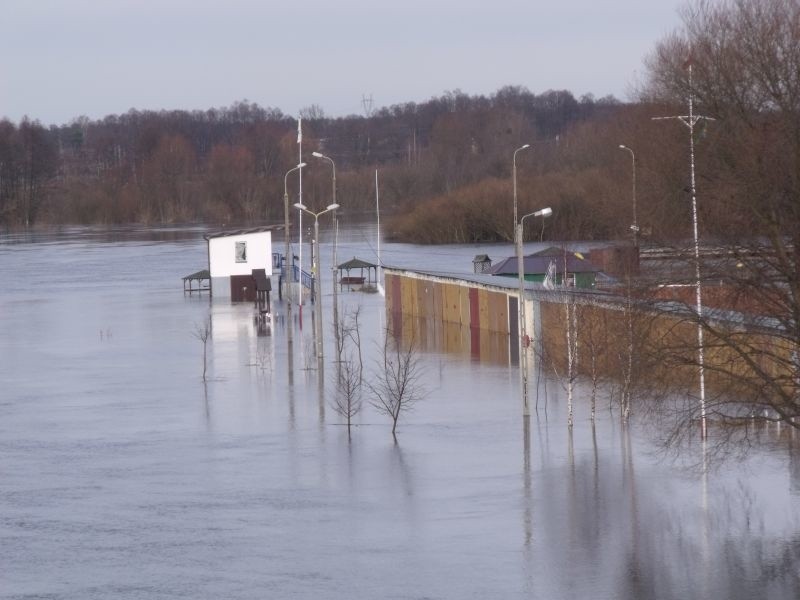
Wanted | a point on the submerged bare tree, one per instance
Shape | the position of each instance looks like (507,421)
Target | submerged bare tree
(397,385)
(347,401)
(202,332)
(349,334)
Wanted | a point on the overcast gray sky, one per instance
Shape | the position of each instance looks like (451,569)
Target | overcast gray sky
(60,59)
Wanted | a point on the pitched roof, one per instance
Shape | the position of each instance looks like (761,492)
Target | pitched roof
(534,264)
(234,232)
(204,274)
(356,263)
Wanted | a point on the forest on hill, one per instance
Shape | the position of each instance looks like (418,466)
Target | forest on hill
(445,165)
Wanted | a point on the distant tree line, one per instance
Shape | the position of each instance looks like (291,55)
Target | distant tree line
(227,164)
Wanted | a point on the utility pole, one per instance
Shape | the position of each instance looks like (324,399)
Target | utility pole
(690,121)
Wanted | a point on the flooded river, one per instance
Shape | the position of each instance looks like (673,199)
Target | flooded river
(123,476)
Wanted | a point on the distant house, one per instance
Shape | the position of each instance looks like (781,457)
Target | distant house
(564,264)
(240,263)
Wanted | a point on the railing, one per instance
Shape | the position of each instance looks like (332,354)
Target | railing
(306,278)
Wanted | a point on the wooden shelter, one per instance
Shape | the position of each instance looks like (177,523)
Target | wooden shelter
(363,266)
(201,278)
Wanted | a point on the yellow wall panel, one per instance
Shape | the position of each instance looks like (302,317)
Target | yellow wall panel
(452,308)
(406,294)
(483,309)
(463,301)
(438,301)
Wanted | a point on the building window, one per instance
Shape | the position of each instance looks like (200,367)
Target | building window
(241,252)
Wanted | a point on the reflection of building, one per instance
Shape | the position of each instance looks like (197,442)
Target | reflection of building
(240,264)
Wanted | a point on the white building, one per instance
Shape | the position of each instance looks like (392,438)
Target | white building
(234,257)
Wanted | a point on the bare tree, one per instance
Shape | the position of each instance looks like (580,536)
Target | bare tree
(203,333)
(350,333)
(397,386)
(347,401)
(350,368)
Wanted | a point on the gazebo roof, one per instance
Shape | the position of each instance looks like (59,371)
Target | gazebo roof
(357,263)
(204,274)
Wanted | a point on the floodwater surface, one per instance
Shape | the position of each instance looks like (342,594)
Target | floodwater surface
(123,475)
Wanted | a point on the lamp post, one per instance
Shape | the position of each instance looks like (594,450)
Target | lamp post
(317,278)
(635,226)
(287,257)
(335,243)
(523,337)
(626,390)
(514,179)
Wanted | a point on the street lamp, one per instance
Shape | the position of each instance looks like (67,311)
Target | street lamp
(514,178)
(523,341)
(287,257)
(335,243)
(635,226)
(317,278)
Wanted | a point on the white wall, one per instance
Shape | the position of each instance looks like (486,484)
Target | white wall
(222,254)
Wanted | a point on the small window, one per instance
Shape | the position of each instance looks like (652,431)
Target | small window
(241,252)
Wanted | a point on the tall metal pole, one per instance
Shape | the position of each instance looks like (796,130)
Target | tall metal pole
(626,390)
(335,244)
(300,223)
(635,226)
(317,289)
(523,347)
(288,266)
(523,374)
(378,217)
(698,286)
(690,121)
(523,324)
(514,179)
(317,285)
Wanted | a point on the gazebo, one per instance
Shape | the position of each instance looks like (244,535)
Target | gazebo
(201,278)
(362,266)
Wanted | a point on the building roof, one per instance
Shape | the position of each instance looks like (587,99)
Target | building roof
(537,264)
(235,232)
(551,251)
(199,275)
